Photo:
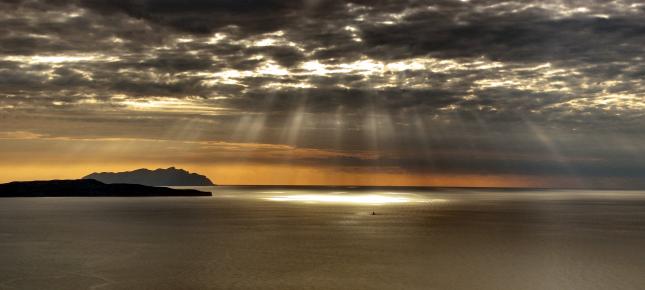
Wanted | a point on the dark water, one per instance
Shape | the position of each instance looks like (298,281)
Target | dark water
(327,238)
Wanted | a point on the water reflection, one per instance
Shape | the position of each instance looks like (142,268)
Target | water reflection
(343,197)
(367,199)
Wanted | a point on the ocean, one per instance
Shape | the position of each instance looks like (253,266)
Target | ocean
(254,237)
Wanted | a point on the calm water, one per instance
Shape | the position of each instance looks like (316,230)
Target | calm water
(327,238)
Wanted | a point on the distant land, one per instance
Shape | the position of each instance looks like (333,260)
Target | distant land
(158,177)
(88,187)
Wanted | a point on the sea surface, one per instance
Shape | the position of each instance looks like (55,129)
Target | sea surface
(327,238)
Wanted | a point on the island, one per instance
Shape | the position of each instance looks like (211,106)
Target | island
(158,177)
(88,188)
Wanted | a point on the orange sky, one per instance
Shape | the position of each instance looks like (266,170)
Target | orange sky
(273,174)
(268,174)
(32,157)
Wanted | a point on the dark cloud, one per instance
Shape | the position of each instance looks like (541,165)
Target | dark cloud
(284,55)
(202,17)
(535,39)
(170,62)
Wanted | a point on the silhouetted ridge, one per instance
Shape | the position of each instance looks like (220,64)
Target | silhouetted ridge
(88,187)
(158,177)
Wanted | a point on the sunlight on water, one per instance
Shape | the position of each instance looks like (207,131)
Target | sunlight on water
(368,199)
(352,199)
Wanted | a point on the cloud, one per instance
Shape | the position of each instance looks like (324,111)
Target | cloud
(481,87)
(202,17)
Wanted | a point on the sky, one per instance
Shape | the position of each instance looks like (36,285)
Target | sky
(359,92)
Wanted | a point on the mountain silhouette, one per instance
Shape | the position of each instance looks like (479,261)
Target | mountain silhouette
(158,177)
(89,188)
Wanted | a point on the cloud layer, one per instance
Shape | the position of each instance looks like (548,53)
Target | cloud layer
(418,87)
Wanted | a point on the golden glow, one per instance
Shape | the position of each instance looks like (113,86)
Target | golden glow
(161,104)
(29,156)
(54,59)
(265,42)
(24,135)
(270,174)
(338,198)
(353,31)
(545,77)
(617,102)
(271,68)
(216,38)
